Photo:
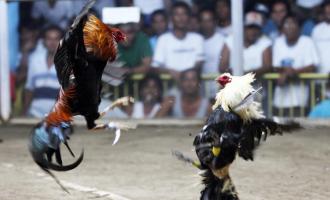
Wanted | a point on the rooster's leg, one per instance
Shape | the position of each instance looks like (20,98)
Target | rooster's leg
(124,101)
(112,126)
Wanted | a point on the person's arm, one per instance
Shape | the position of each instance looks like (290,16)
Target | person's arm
(225,59)
(28,96)
(146,55)
(198,66)
(143,67)
(266,63)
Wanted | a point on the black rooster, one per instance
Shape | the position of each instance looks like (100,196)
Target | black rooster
(80,60)
(236,126)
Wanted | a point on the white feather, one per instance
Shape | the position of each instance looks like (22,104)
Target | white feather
(233,94)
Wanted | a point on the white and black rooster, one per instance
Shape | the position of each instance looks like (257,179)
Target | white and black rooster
(236,126)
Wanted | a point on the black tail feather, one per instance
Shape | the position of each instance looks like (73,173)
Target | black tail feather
(66,167)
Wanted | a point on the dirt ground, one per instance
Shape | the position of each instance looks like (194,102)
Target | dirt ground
(141,167)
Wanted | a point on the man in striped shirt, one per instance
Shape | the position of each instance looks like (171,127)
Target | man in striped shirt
(42,86)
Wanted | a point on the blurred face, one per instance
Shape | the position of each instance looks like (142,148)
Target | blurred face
(130,33)
(327,13)
(251,34)
(279,12)
(180,18)
(150,92)
(222,10)
(51,40)
(291,29)
(28,38)
(207,22)
(190,83)
(159,24)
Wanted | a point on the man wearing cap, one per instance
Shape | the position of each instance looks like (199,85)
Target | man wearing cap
(257,47)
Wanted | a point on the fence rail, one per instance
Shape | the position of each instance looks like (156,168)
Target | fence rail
(315,82)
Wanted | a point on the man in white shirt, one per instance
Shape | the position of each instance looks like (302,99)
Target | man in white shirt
(257,47)
(178,49)
(213,44)
(321,37)
(42,86)
(53,12)
(292,54)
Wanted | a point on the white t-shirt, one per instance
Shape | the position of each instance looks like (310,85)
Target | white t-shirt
(138,111)
(309,3)
(321,38)
(60,14)
(212,50)
(302,54)
(225,31)
(178,54)
(147,7)
(252,55)
(43,82)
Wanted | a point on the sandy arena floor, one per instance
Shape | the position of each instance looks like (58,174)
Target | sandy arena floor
(141,167)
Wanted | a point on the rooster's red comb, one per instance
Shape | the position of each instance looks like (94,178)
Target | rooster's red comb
(224,79)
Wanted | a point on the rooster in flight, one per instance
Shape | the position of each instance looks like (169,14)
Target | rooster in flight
(236,126)
(81,57)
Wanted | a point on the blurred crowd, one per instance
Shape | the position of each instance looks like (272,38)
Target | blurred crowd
(185,39)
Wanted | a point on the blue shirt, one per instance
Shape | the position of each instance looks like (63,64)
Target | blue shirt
(321,110)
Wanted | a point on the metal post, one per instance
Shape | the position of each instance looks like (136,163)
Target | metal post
(236,57)
(4,64)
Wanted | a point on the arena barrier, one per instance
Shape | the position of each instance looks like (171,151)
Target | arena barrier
(315,82)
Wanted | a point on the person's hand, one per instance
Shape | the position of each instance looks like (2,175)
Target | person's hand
(282,80)
(168,102)
(127,70)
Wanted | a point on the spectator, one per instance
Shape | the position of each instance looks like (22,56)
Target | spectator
(308,11)
(321,37)
(28,41)
(213,44)
(292,54)
(263,10)
(53,12)
(189,102)
(42,84)
(280,9)
(135,53)
(305,9)
(151,90)
(159,25)
(222,8)
(257,56)
(149,106)
(322,110)
(179,49)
